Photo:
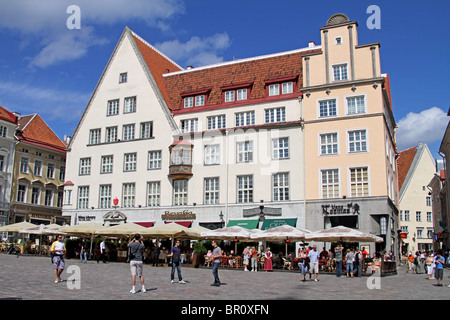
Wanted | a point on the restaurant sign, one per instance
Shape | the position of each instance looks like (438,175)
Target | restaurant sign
(86,218)
(349,209)
(180,215)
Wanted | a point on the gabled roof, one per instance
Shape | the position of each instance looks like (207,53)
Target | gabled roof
(404,162)
(33,130)
(7,116)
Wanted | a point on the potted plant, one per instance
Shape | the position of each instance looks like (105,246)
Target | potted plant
(199,254)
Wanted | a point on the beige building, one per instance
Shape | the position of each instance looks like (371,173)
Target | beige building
(39,173)
(350,165)
(415,167)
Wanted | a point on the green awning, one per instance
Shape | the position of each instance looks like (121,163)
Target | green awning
(248,224)
(272,223)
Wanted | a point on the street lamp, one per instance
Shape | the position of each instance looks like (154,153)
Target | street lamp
(222,222)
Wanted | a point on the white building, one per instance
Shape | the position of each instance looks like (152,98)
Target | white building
(207,146)
(8,125)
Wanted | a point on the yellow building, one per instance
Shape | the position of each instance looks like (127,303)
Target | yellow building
(350,163)
(39,173)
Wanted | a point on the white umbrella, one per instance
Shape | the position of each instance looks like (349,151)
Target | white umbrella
(124,229)
(229,233)
(168,230)
(16,226)
(343,234)
(89,228)
(191,233)
(281,233)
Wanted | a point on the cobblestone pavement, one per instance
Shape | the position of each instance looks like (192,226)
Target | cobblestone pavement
(32,278)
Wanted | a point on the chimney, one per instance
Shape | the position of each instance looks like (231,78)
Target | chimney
(18,115)
(311,44)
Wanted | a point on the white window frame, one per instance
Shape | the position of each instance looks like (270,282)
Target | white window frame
(216,122)
(153,193)
(328,115)
(200,100)
(327,143)
(361,141)
(111,134)
(48,197)
(51,173)
(128,132)
(130,162)
(244,151)
(189,125)
(287,87)
(244,119)
(230,96)
(188,102)
(339,67)
(241,94)
(357,110)
(104,196)
(146,130)
(358,183)
(154,159)
(244,188)
(128,195)
(280,148)
(23,193)
(113,107)
(129,105)
(38,168)
(274,115)
(123,77)
(83,197)
(180,192)
(85,166)
(24,165)
(36,200)
(330,186)
(212,154)
(281,186)
(106,164)
(211,192)
(274,89)
(95,136)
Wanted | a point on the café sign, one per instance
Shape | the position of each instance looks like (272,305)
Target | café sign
(349,209)
(178,215)
(86,218)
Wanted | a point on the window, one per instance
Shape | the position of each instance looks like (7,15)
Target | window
(274,89)
(356,105)
(68,196)
(418,216)
(245,119)
(357,141)
(181,156)
(188,102)
(407,217)
(340,72)
(35,195)
(62,173)
(130,105)
(229,96)
(287,87)
(128,191)
(3,131)
(327,108)
(280,148)
(130,162)
(180,192)
(24,165)
(241,94)
(328,144)
(60,199)
(200,100)
(428,201)
(275,115)
(189,125)
(420,233)
(51,170)
(85,166)
(2,163)
(123,77)
(330,183)
(280,187)
(153,193)
(105,196)
(245,151)
(94,136)
(154,159)
(245,189)
(111,134)
(429,217)
(128,132)
(211,191)
(359,180)
(236,95)
(21,193)
(338,40)
(216,122)
(106,165)
(48,199)
(38,168)
(83,197)
(212,154)
(146,130)
(113,107)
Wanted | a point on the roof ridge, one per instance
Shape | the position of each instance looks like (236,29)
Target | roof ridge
(153,48)
(243,60)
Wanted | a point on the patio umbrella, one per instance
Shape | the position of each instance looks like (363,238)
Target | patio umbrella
(16,227)
(89,228)
(343,234)
(193,233)
(228,233)
(124,229)
(281,233)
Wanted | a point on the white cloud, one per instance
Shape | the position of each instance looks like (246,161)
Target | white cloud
(427,126)
(44,22)
(197,51)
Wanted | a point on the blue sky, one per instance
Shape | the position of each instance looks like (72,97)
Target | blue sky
(52,70)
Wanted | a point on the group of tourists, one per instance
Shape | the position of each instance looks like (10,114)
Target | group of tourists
(429,262)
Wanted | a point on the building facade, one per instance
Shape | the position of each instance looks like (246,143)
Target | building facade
(350,162)
(235,143)
(8,124)
(39,173)
(415,167)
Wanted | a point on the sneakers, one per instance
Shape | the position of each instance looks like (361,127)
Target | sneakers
(143,290)
(182,282)
(133,290)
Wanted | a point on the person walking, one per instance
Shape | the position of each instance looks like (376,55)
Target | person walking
(439,269)
(303,264)
(175,253)
(217,259)
(136,250)
(155,255)
(83,252)
(102,251)
(57,250)
(411,266)
(254,259)
(246,257)
(349,259)
(314,261)
(338,255)
(268,261)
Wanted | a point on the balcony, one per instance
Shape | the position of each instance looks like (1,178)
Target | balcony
(180,160)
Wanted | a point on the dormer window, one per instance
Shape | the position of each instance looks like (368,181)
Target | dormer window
(236,95)
(197,98)
(281,85)
(236,92)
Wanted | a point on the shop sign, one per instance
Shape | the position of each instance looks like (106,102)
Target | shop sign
(86,218)
(180,215)
(332,209)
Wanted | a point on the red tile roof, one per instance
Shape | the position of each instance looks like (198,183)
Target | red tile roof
(7,116)
(34,130)
(404,162)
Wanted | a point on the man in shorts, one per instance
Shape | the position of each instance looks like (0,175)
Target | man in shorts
(57,250)
(439,269)
(314,261)
(136,250)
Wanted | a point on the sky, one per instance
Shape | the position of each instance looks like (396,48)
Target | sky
(52,54)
